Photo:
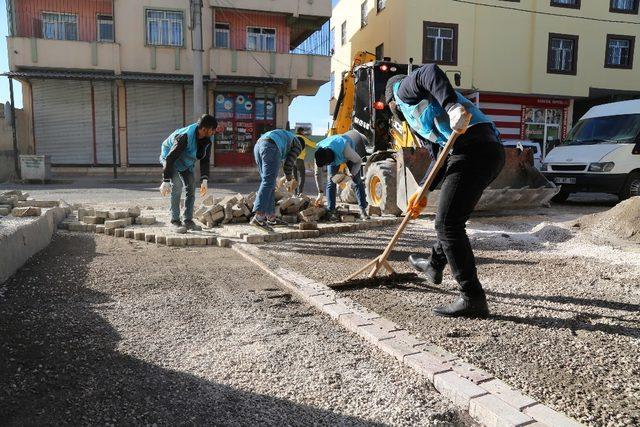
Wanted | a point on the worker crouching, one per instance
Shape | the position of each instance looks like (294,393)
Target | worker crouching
(334,151)
(178,156)
(274,148)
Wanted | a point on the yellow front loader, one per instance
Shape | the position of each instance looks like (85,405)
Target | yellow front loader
(397,159)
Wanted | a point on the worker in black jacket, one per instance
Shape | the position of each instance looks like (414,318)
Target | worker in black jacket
(433,109)
(178,156)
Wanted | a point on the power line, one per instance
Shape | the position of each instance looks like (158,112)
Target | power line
(538,12)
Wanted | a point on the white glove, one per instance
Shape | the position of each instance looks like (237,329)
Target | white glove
(458,118)
(319,201)
(165,188)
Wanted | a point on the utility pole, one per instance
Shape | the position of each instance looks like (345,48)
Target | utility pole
(16,154)
(196,46)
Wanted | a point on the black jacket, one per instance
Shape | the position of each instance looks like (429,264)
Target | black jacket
(203,154)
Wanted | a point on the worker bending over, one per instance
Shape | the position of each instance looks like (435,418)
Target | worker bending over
(433,109)
(274,148)
(178,158)
(299,171)
(334,151)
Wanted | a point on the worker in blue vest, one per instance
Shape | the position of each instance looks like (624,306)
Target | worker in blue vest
(274,148)
(433,109)
(334,151)
(178,156)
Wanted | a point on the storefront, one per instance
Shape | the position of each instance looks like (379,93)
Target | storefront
(543,120)
(244,117)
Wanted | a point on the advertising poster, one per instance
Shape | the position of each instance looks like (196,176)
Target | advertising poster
(224,106)
(224,139)
(270,109)
(245,136)
(244,106)
(259,109)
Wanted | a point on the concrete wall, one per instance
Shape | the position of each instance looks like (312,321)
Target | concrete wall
(6,144)
(499,50)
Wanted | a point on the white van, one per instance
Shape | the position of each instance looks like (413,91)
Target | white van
(601,153)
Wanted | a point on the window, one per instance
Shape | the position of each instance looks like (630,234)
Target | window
(105,28)
(164,28)
(380,52)
(619,51)
(332,40)
(261,39)
(381,4)
(59,26)
(363,14)
(624,6)
(574,4)
(563,54)
(440,43)
(221,35)
(343,33)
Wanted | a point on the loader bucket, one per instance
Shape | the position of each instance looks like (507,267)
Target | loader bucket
(519,185)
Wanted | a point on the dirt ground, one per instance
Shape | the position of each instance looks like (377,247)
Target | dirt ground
(103,331)
(565,324)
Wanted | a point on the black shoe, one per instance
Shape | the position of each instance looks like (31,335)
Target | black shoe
(424,265)
(277,222)
(190,225)
(364,215)
(332,216)
(465,307)
(261,224)
(177,227)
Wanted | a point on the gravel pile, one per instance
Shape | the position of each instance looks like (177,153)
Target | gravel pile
(565,312)
(622,222)
(117,332)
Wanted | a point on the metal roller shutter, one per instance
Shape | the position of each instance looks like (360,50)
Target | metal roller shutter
(104,139)
(154,111)
(62,120)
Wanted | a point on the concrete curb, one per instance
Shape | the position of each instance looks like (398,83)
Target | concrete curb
(27,240)
(488,400)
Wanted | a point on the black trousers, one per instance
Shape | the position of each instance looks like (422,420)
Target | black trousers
(476,159)
(299,173)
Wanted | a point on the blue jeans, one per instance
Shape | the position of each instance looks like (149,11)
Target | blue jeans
(361,195)
(178,180)
(267,158)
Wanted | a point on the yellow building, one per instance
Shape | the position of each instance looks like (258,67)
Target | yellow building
(533,65)
(69,55)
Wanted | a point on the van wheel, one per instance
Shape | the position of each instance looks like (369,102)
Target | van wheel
(631,186)
(562,196)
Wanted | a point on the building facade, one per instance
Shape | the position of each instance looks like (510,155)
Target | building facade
(110,79)
(534,66)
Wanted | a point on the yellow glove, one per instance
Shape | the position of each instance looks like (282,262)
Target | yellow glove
(204,187)
(165,189)
(414,206)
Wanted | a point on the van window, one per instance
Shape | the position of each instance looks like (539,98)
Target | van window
(605,130)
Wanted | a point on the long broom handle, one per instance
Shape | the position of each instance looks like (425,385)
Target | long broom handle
(432,176)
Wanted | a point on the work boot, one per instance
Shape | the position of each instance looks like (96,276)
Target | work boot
(465,306)
(177,227)
(192,226)
(261,224)
(364,215)
(424,265)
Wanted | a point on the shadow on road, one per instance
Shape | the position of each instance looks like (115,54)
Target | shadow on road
(59,361)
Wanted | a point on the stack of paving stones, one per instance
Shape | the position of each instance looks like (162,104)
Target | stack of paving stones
(19,204)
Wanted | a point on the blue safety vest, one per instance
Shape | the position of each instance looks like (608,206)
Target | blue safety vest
(336,144)
(188,158)
(431,121)
(282,138)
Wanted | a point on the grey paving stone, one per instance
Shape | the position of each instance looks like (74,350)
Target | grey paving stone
(494,412)
(548,416)
(459,390)
(505,392)
(427,364)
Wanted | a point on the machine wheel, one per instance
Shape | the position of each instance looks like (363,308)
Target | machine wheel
(380,184)
(631,186)
(562,196)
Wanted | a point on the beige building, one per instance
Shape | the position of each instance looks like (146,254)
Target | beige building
(533,65)
(72,55)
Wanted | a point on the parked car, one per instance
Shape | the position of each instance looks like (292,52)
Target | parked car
(600,154)
(523,143)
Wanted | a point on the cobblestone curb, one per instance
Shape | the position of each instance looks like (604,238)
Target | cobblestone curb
(489,400)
